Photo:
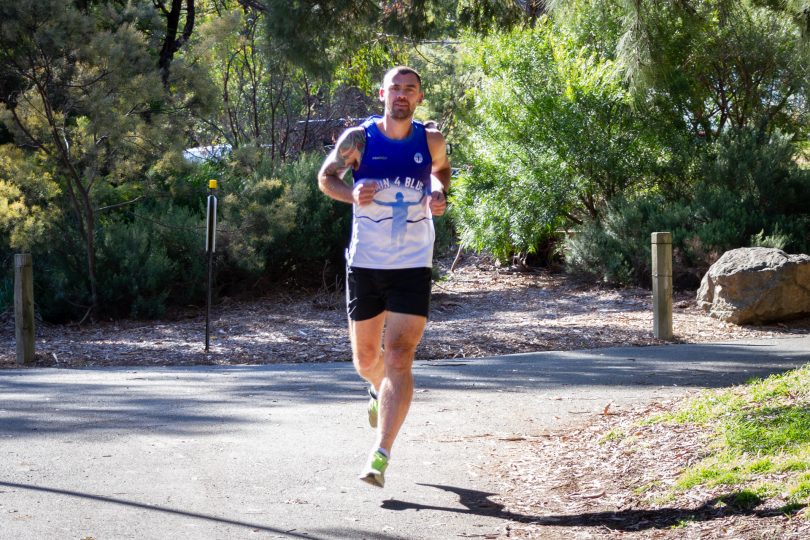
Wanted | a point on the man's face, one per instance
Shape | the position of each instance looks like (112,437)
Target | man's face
(401,94)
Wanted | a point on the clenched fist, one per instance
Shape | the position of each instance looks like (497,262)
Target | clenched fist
(438,203)
(363,193)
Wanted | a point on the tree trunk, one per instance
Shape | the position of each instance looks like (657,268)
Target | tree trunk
(170,42)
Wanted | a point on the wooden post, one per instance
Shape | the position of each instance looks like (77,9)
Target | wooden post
(662,284)
(24,307)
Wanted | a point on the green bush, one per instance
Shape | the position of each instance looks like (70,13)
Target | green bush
(750,191)
(276,223)
(135,271)
(322,226)
(616,249)
(149,259)
(61,291)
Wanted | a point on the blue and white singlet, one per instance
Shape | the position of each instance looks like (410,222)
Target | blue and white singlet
(396,230)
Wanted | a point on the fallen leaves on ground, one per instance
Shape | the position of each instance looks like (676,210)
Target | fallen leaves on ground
(611,478)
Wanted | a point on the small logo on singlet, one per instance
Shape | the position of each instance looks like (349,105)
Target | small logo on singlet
(417,157)
(378,157)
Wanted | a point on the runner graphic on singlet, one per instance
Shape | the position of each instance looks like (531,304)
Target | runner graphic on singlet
(399,216)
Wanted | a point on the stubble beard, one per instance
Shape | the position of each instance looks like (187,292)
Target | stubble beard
(400,111)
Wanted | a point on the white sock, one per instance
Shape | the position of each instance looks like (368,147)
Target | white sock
(384,452)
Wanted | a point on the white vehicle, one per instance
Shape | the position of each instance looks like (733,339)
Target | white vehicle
(201,154)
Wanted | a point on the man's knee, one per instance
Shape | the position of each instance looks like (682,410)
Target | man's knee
(366,358)
(399,358)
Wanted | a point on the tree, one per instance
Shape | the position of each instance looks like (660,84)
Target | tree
(262,96)
(554,136)
(716,65)
(28,195)
(321,35)
(87,97)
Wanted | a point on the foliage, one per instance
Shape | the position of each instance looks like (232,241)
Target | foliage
(278,223)
(616,249)
(751,183)
(751,191)
(261,95)
(558,122)
(27,197)
(136,271)
(775,240)
(554,136)
(706,131)
(88,97)
(719,64)
(327,35)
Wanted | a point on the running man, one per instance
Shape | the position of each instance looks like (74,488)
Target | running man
(401,174)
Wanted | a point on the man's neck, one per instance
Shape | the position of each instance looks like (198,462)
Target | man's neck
(394,128)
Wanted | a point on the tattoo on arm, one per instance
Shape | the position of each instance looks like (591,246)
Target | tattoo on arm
(347,153)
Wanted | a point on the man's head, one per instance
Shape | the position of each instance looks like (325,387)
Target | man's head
(401,92)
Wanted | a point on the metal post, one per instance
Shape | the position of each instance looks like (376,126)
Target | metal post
(210,247)
(24,307)
(662,284)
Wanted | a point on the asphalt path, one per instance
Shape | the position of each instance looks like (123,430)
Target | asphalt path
(274,451)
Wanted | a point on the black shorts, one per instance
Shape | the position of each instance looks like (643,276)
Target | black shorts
(369,292)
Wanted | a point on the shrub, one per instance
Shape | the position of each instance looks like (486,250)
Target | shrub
(150,259)
(751,191)
(751,182)
(322,225)
(616,249)
(7,283)
(135,271)
(776,240)
(276,223)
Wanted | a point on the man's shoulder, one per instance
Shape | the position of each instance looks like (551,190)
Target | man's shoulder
(434,136)
(353,133)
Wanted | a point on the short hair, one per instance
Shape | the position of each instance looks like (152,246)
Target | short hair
(402,70)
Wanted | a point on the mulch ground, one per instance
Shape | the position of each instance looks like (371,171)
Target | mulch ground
(585,483)
(478,310)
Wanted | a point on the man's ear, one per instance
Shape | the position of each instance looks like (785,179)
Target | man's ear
(382,94)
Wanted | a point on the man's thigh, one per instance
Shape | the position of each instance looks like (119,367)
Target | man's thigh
(366,335)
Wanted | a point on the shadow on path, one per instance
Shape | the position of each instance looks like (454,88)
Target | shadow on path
(477,503)
(255,527)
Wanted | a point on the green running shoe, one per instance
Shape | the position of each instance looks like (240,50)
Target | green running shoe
(373,408)
(374,473)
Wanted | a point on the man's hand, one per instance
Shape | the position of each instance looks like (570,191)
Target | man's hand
(363,193)
(438,203)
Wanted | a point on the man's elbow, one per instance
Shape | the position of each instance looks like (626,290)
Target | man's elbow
(322,182)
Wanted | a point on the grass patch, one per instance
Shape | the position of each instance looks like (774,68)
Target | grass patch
(769,429)
(646,487)
(759,439)
(612,435)
(744,500)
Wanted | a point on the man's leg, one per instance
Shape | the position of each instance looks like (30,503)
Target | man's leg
(366,338)
(402,335)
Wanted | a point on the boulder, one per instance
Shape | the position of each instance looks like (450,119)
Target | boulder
(756,285)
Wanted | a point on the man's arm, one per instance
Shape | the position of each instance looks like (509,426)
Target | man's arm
(347,154)
(439,172)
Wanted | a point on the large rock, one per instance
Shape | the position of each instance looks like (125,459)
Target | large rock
(756,285)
